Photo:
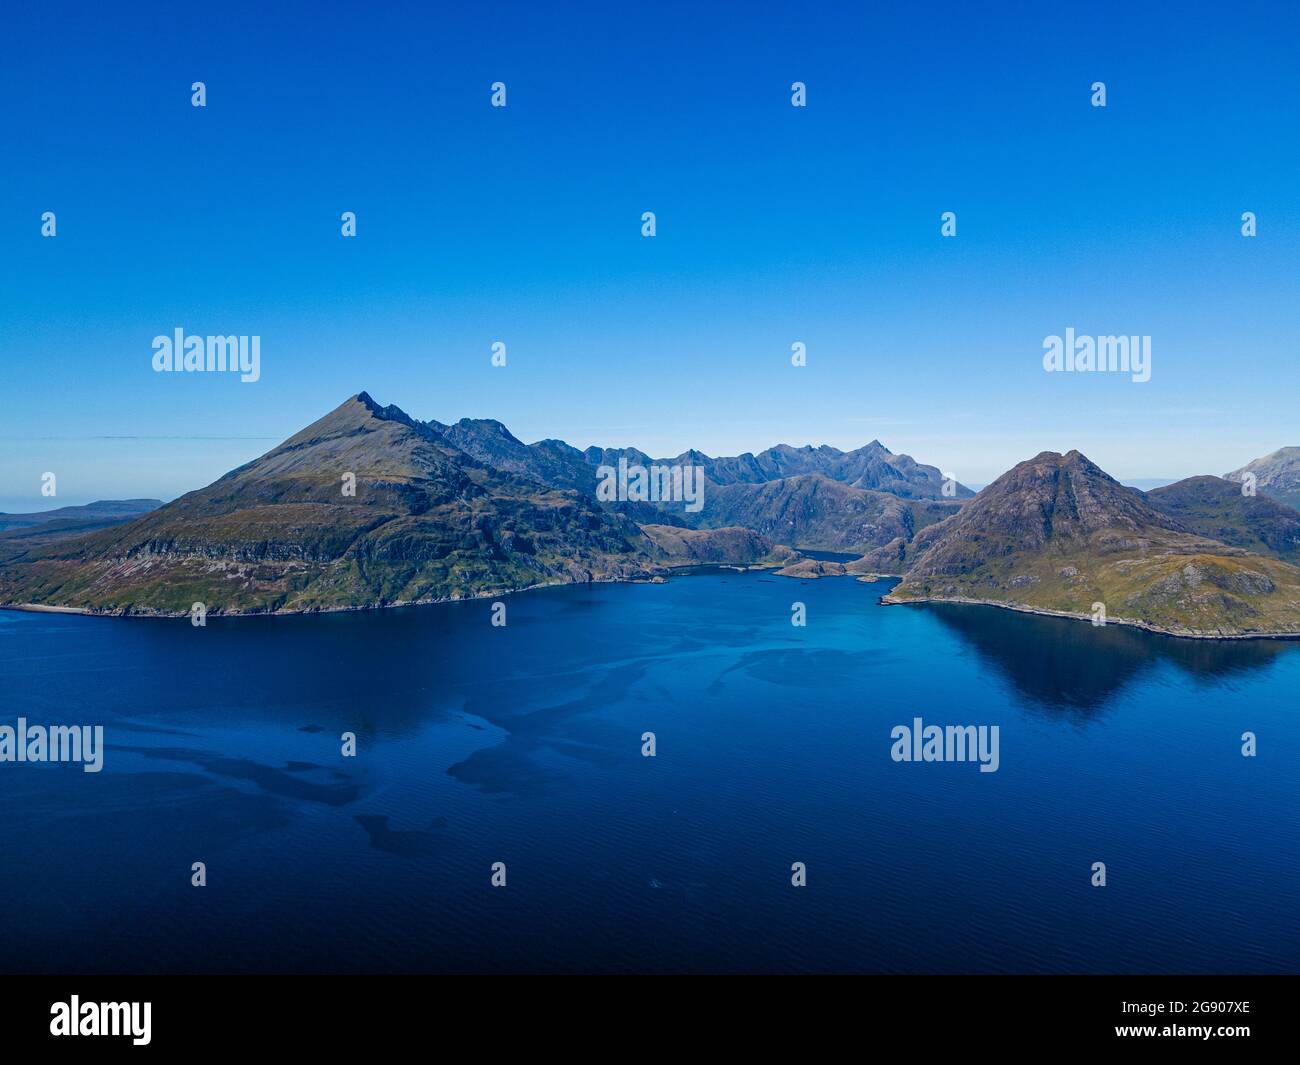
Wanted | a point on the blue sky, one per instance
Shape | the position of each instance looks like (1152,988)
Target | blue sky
(775,224)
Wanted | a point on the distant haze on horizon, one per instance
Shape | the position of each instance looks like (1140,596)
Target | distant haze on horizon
(776,225)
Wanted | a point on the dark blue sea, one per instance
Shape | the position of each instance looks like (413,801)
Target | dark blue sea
(522,744)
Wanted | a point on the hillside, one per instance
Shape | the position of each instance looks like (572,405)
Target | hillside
(1056,533)
(675,546)
(812,512)
(1215,508)
(426,522)
(365,507)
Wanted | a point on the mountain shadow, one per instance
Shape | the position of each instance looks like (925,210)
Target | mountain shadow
(1071,669)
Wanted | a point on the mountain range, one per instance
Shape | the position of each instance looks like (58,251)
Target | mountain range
(370,507)
(817,498)
(555,463)
(365,507)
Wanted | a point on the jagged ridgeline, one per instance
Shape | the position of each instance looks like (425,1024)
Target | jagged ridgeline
(811,498)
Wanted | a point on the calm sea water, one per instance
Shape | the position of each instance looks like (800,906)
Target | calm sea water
(523,745)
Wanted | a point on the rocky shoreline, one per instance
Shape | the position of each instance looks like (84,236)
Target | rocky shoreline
(890,600)
(144,612)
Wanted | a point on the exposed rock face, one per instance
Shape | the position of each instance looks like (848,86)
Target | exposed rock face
(1056,533)
(1216,508)
(551,462)
(554,462)
(1276,475)
(873,466)
(732,546)
(810,497)
(813,512)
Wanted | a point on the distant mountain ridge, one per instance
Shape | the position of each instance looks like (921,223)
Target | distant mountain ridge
(1277,475)
(817,498)
(873,466)
(100,511)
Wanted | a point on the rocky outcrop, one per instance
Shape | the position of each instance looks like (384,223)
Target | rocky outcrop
(675,546)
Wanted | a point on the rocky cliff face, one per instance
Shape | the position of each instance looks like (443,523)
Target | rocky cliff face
(551,462)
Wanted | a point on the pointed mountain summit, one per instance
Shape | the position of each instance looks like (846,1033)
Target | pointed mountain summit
(1057,534)
(365,506)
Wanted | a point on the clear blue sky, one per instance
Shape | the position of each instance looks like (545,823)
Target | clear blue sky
(522,224)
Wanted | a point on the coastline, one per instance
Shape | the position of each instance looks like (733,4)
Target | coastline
(686,570)
(1135,623)
(653,578)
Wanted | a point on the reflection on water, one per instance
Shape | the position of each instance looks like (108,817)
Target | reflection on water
(522,744)
(1074,668)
